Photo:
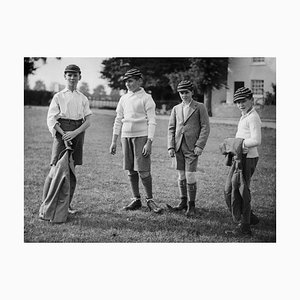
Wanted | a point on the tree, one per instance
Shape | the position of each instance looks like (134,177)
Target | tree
(29,64)
(206,74)
(39,86)
(114,95)
(84,88)
(154,72)
(161,75)
(30,67)
(270,98)
(56,86)
(99,92)
(209,73)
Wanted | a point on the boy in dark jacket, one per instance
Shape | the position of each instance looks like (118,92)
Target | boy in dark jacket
(188,132)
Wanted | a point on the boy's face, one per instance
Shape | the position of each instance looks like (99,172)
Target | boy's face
(186,95)
(72,79)
(133,84)
(244,105)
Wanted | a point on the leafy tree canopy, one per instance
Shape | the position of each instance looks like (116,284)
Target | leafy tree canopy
(153,69)
(84,88)
(39,85)
(162,74)
(99,92)
(29,64)
(205,73)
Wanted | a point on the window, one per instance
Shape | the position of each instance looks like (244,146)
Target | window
(238,84)
(257,87)
(258,59)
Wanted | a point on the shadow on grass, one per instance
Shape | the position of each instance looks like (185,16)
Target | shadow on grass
(206,226)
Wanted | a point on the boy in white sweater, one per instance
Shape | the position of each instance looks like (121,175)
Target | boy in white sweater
(249,129)
(136,122)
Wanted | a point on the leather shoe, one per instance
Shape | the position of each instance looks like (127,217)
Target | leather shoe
(190,209)
(254,220)
(182,205)
(134,205)
(240,230)
(153,206)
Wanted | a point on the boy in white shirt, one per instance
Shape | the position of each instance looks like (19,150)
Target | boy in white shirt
(249,129)
(136,122)
(67,119)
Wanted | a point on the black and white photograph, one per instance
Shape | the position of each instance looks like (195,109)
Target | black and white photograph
(149,150)
(144,149)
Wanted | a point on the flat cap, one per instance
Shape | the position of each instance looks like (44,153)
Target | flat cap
(72,69)
(132,73)
(185,85)
(242,93)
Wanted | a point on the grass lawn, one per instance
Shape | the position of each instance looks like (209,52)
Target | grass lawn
(103,189)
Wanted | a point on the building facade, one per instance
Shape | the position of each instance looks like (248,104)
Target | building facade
(256,73)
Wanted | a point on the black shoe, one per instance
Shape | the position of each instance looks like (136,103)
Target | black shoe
(134,205)
(153,206)
(181,206)
(240,230)
(190,209)
(254,220)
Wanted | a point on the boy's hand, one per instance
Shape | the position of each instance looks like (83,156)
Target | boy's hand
(245,149)
(198,151)
(147,149)
(69,135)
(113,148)
(171,152)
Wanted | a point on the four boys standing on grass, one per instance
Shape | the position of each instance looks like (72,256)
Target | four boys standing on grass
(188,130)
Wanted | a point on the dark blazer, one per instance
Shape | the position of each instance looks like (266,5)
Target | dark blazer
(195,128)
(56,203)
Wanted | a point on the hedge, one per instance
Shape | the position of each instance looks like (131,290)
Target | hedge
(39,98)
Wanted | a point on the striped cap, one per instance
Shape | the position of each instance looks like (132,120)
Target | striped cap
(132,73)
(241,94)
(184,85)
(72,69)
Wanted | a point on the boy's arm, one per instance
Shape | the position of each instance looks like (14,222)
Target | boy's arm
(171,130)
(255,131)
(58,128)
(116,128)
(113,146)
(52,114)
(70,135)
(85,125)
(86,107)
(151,117)
(118,120)
(205,127)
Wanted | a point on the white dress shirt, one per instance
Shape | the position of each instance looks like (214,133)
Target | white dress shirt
(185,109)
(67,105)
